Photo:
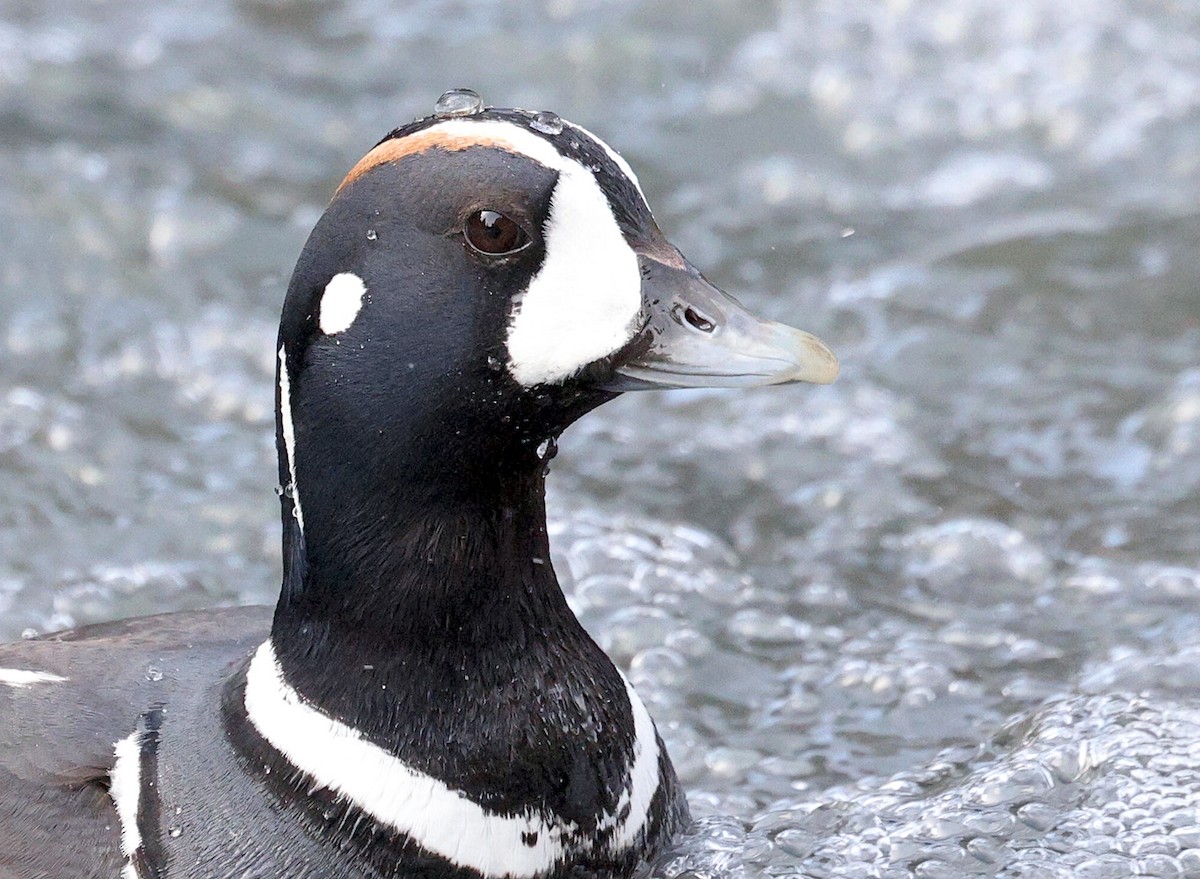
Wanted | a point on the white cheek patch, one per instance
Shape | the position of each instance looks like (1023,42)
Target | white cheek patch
(341,302)
(583,304)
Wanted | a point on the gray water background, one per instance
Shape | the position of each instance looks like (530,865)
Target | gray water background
(939,619)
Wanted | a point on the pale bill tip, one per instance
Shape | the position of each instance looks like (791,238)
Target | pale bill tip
(815,362)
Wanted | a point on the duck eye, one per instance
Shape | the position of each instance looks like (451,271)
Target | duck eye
(493,233)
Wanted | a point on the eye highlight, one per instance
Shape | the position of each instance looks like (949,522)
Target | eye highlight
(494,234)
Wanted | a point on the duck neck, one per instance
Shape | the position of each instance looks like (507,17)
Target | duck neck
(434,568)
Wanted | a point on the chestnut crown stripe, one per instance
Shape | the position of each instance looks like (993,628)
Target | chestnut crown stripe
(436,137)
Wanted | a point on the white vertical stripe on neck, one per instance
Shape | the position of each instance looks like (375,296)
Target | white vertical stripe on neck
(440,819)
(643,775)
(23,678)
(126,790)
(289,432)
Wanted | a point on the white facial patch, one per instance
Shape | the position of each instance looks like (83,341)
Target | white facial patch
(438,818)
(584,302)
(23,678)
(289,432)
(341,302)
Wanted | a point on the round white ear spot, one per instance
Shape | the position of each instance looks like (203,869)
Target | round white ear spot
(341,302)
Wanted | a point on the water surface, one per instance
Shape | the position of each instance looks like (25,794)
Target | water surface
(939,619)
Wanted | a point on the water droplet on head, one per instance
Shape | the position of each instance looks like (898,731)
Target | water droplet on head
(458,102)
(547,123)
(495,363)
(279,491)
(26,634)
(372,234)
(175,832)
(154,674)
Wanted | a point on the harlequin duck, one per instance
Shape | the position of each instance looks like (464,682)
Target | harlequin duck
(421,702)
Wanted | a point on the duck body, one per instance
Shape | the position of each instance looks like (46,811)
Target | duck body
(421,702)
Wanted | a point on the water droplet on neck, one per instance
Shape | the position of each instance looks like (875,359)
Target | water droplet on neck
(547,123)
(547,449)
(458,102)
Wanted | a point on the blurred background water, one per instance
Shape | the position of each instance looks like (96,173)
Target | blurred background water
(939,619)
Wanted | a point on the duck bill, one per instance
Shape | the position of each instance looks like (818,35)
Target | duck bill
(697,336)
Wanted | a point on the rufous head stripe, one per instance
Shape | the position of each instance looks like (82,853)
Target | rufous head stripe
(429,139)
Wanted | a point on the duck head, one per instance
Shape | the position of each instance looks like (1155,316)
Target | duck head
(476,284)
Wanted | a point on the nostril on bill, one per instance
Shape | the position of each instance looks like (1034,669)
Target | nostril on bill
(696,319)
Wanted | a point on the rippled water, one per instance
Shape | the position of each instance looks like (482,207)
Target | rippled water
(939,619)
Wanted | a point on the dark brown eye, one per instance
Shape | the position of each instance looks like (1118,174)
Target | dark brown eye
(493,233)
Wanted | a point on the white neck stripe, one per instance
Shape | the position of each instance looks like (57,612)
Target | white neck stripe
(19,677)
(440,819)
(289,432)
(126,790)
(643,774)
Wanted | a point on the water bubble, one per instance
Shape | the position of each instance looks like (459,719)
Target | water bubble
(154,674)
(175,831)
(458,102)
(279,491)
(372,235)
(547,123)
